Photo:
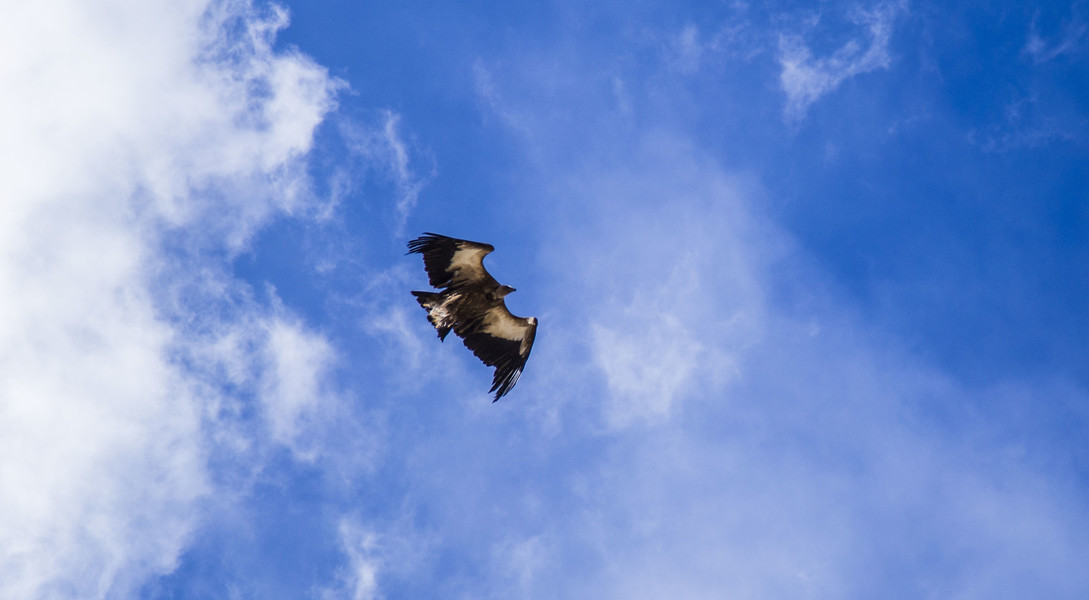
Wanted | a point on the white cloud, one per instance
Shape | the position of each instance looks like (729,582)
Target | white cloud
(100,469)
(805,78)
(138,136)
(293,388)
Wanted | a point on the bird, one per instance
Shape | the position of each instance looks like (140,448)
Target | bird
(471,304)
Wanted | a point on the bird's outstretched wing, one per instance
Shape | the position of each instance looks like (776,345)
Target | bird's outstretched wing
(503,341)
(451,262)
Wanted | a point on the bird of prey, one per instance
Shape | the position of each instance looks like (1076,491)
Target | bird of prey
(471,304)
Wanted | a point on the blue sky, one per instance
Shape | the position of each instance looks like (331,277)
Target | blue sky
(810,276)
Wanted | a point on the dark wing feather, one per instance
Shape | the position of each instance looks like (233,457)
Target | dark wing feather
(451,262)
(501,340)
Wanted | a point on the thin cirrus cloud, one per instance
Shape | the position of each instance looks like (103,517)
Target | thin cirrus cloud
(358,578)
(751,432)
(1069,40)
(805,78)
(756,450)
(382,146)
(143,142)
(652,341)
(799,462)
(1040,110)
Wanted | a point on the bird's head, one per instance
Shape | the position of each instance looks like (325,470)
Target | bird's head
(504,290)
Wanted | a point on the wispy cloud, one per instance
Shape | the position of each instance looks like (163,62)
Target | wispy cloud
(359,577)
(805,79)
(676,299)
(373,555)
(1031,122)
(384,148)
(1072,39)
(760,448)
(727,424)
(653,350)
(1039,111)
(492,98)
(737,38)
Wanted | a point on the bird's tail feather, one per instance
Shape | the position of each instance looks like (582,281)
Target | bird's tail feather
(431,301)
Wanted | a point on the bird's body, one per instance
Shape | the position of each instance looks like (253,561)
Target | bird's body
(471,305)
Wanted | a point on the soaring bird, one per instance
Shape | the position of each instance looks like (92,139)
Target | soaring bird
(471,304)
